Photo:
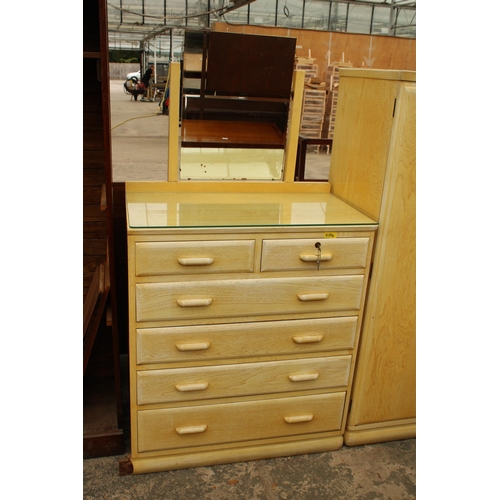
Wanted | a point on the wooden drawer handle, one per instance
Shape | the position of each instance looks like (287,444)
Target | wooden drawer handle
(308,339)
(191,387)
(301,377)
(314,258)
(194,429)
(306,297)
(200,346)
(194,302)
(196,261)
(298,418)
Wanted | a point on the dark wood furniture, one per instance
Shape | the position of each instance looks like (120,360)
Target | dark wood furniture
(236,78)
(213,133)
(102,408)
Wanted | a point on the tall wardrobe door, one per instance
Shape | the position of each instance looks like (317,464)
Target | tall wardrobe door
(385,380)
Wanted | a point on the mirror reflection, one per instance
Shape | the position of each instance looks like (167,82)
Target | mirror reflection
(234,106)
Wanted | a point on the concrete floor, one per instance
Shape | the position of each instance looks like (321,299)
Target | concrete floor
(378,471)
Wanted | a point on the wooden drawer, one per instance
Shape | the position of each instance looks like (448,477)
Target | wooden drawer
(266,338)
(194,384)
(302,254)
(236,298)
(173,428)
(194,257)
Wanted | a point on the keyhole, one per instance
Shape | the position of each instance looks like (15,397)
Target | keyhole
(318,246)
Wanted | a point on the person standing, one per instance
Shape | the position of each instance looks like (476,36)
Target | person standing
(145,80)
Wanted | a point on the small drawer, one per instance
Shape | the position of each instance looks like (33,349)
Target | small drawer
(250,297)
(266,338)
(194,257)
(174,428)
(245,379)
(303,254)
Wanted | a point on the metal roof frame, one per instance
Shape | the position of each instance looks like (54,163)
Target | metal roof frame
(137,24)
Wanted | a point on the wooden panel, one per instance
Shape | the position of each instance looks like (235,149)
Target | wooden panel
(362,135)
(237,110)
(195,257)
(92,140)
(228,455)
(386,383)
(262,74)
(94,230)
(93,213)
(95,247)
(401,430)
(314,44)
(252,30)
(95,220)
(246,107)
(213,133)
(92,195)
(237,298)
(92,131)
(226,423)
(91,82)
(93,159)
(102,433)
(391,53)
(93,101)
(93,177)
(292,138)
(173,122)
(239,341)
(90,263)
(202,383)
(303,254)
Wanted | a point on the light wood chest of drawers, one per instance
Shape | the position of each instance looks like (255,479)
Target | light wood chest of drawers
(243,337)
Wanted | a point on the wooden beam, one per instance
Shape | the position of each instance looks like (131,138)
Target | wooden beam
(103,198)
(96,287)
(173,122)
(292,136)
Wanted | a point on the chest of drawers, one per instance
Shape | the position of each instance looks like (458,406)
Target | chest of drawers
(243,332)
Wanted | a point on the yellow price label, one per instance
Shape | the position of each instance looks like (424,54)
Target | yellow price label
(330,235)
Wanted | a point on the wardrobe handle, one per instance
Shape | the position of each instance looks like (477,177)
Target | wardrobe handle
(196,261)
(192,387)
(307,297)
(314,258)
(308,339)
(200,346)
(301,377)
(298,418)
(194,302)
(194,429)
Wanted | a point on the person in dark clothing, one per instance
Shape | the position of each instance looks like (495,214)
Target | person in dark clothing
(145,80)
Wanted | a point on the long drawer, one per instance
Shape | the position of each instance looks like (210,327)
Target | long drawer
(266,338)
(303,254)
(193,257)
(236,298)
(173,428)
(194,384)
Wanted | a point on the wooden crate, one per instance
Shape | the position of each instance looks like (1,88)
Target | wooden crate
(332,79)
(311,71)
(313,112)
